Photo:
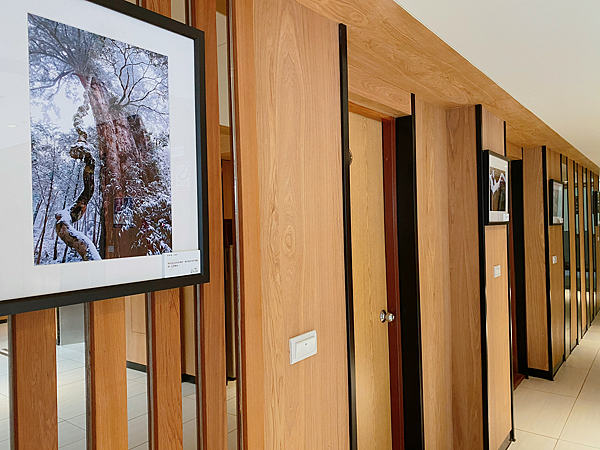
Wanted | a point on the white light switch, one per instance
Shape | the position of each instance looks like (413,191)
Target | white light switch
(303,346)
(497,271)
(554,259)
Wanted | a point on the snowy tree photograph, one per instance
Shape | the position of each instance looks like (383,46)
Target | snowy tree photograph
(100,146)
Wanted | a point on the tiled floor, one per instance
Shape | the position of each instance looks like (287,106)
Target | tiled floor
(563,414)
(231,415)
(70,361)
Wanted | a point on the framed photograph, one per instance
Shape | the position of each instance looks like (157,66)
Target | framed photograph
(102,152)
(556,202)
(495,169)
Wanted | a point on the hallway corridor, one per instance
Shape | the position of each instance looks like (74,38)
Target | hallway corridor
(563,414)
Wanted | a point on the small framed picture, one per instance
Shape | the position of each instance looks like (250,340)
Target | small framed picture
(496,172)
(556,202)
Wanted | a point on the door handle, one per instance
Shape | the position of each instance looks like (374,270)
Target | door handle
(386,317)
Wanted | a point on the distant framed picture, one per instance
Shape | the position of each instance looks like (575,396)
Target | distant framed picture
(495,173)
(596,207)
(103,151)
(556,202)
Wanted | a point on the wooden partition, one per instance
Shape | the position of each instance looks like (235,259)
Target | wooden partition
(544,264)
(296,96)
(573,257)
(481,364)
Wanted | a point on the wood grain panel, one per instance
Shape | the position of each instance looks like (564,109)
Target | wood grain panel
(188,310)
(298,125)
(375,93)
(432,217)
(33,399)
(535,259)
(573,267)
(557,272)
(225,142)
(424,64)
(464,284)
(106,375)
(135,328)
(498,338)
(590,243)
(227,171)
(162,7)
(497,306)
(514,151)
(164,371)
(369,284)
(212,422)
(253,401)
(582,243)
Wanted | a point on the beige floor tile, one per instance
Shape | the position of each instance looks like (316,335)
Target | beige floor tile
(69,433)
(591,387)
(73,407)
(590,343)
(187,389)
(79,421)
(188,409)
(78,445)
(231,390)
(137,406)
(71,390)
(582,357)
(583,426)
(530,441)
(231,422)
(540,412)
(232,441)
(232,406)
(564,445)
(138,431)
(568,381)
(189,436)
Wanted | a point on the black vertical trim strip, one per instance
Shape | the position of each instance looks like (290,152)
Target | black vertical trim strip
(577,206)
(408,262)
(482,189)
(347,234)
(519,249)
(510,300)
(547,256)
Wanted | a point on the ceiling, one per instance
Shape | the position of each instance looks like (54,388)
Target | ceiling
(544,53)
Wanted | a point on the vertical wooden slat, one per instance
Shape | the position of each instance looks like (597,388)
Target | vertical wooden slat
(106,375)
(212,432)
(159,6)
(34,414)
(248,222)
(164,371)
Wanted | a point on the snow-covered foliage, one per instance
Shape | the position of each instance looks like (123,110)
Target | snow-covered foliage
(82,85)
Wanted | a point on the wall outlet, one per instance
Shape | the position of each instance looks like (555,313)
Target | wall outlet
(497,271)
(554,259)
(303,346)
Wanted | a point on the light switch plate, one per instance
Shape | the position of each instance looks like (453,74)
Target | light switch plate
(303,346)
(554,259)
(497,271)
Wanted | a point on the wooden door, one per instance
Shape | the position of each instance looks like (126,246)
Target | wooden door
(373,404)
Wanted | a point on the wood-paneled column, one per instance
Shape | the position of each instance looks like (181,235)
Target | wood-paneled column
(106,375)
(34,410)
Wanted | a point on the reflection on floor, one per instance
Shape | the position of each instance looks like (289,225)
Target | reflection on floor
(563,414)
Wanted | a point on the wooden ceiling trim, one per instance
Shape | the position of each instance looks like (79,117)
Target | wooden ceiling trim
(390,54)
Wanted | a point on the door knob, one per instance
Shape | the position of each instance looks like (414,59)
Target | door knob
(386,317)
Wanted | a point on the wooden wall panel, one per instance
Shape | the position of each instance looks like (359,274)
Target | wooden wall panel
(253,401)
(535,259)
(212,422)
(432,217)
(497,307)
(557,273)
(135,326)
(573,267)
(164,371)
(369,284)
(33,398)
(227,171)
(188,310)
(301,235)
(590,243)
(106,375)
(582,244)
(500,383)
(467,407)
(514,151)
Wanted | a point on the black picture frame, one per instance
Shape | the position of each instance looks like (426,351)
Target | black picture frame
(494,217)
(555,194)
(53,300)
